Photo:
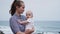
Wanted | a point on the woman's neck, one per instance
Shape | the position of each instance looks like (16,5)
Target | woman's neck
(18,14)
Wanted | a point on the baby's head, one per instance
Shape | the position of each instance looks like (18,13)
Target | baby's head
(29,14)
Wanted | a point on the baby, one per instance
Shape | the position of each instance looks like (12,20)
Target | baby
(30,24)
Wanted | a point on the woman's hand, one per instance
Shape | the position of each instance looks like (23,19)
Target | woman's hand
(29,31)
(20,32)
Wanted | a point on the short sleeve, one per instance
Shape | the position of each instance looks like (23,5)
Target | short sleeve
(14,25)
(30,20)
(24,17)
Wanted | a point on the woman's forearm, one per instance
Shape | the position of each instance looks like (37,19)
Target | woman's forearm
(29,31)
(20,32)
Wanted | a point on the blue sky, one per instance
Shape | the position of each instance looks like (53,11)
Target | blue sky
(43,10)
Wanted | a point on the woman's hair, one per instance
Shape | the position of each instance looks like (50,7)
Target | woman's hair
(13,6)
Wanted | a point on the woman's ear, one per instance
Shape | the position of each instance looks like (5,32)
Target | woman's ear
(17,7)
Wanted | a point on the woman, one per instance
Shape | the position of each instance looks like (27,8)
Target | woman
(16,10)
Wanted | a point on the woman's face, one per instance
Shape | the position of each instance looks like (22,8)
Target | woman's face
(21,9)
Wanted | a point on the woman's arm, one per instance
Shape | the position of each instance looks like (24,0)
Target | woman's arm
(23,22)
(14,26)
(20,33)
(29,31)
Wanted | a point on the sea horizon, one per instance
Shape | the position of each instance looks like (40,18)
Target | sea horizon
(40,26)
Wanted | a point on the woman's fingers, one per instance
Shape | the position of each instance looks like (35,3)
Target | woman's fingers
(20,32)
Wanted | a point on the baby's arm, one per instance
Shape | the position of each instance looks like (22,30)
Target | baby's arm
(23,22)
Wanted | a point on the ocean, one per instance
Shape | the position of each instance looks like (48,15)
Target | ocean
(41,27)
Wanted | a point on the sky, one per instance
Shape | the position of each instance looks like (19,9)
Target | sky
(43,10)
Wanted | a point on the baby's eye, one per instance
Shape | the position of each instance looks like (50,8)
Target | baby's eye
(29,15)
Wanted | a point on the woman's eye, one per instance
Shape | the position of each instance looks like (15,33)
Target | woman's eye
(23,7)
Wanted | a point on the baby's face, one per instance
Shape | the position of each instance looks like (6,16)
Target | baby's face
(28,14)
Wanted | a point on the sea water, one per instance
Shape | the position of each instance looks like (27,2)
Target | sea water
(44,27)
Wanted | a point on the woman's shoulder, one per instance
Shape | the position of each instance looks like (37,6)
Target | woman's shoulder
(13,18)
(24,17)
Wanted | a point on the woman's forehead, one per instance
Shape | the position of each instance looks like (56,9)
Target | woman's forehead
(22,3)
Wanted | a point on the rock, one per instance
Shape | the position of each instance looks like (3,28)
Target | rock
(1,32)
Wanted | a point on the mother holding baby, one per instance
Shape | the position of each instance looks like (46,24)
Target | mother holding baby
(17,8)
